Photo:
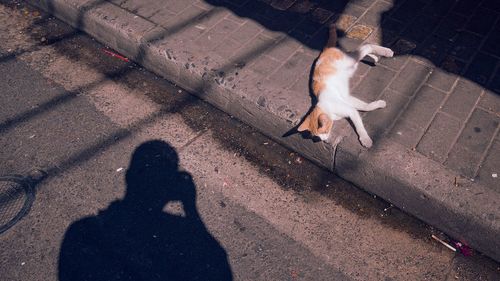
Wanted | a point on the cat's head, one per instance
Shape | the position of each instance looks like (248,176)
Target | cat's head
(317,123)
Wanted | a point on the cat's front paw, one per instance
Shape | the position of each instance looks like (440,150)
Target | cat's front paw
(381,104)
(388,53)
(366,141)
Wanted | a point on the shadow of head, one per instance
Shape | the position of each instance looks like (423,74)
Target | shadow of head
(153,177)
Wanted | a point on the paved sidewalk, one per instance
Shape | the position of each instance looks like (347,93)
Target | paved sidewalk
(436,147)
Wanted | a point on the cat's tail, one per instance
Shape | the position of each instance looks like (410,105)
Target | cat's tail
(332,37)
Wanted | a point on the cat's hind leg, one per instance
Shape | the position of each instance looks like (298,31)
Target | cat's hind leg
(373,51)
(364,106)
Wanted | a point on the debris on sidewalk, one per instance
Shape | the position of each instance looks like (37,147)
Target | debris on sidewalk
(443,243)
(464,249)
(388,208)
(115,55)
(457,246)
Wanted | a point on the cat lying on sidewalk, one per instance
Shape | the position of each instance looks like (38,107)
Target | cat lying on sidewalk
(330,84)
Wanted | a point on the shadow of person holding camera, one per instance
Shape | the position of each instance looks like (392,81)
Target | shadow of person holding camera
(134,239)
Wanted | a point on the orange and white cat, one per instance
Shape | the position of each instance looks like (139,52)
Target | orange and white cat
(330,85)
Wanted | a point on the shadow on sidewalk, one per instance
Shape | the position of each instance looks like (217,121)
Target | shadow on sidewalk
(134,239)
(459,37)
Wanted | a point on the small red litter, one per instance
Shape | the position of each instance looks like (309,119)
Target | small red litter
(115,55)
(464,249)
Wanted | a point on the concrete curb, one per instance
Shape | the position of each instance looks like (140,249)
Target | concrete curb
(405,178)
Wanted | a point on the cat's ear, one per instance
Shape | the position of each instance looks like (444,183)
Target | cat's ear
(322,121)
(305,124)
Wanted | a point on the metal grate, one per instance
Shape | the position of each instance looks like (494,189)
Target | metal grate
(16,198)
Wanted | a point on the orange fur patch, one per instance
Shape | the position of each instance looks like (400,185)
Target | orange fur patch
(325,69)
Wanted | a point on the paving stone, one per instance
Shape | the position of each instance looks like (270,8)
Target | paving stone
(490,101)
(491,44)
(210,39)
(282,22)
(435,49)
(162,16)
(286,75)
(442,80)
(453,65)
(438,8)
(495,82)
(482,21)
(450,26)
(406,133)
(203,4)
(464,7)
(420,28)
(284,49)
(390,24)
(491,167)
(380,120)
(302,7)
(237,3)
(254,48)
(319,40)
(143,8)
(305,29)
(228,48)
(373,15)
(473,142)
(396,62)
(465,45)
(491,4)
(246,32)
(389,31)
(360,32)
(265,65)
(439,138)
(403,47)
(479,131)
(408,10)
(375,81)
(183,19)
(423,106)
(463,99)
(344,22)
(362,3)
(350,9)
(321,15)
(282,4)
(412,124)
(211,17)
(349,44)
(463,161)
(236,18)
(302,84)
(481,68)
(410,78)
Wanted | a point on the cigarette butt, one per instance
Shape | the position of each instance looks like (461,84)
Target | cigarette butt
(444,243)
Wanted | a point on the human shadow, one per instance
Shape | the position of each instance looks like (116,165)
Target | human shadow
(134,239)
